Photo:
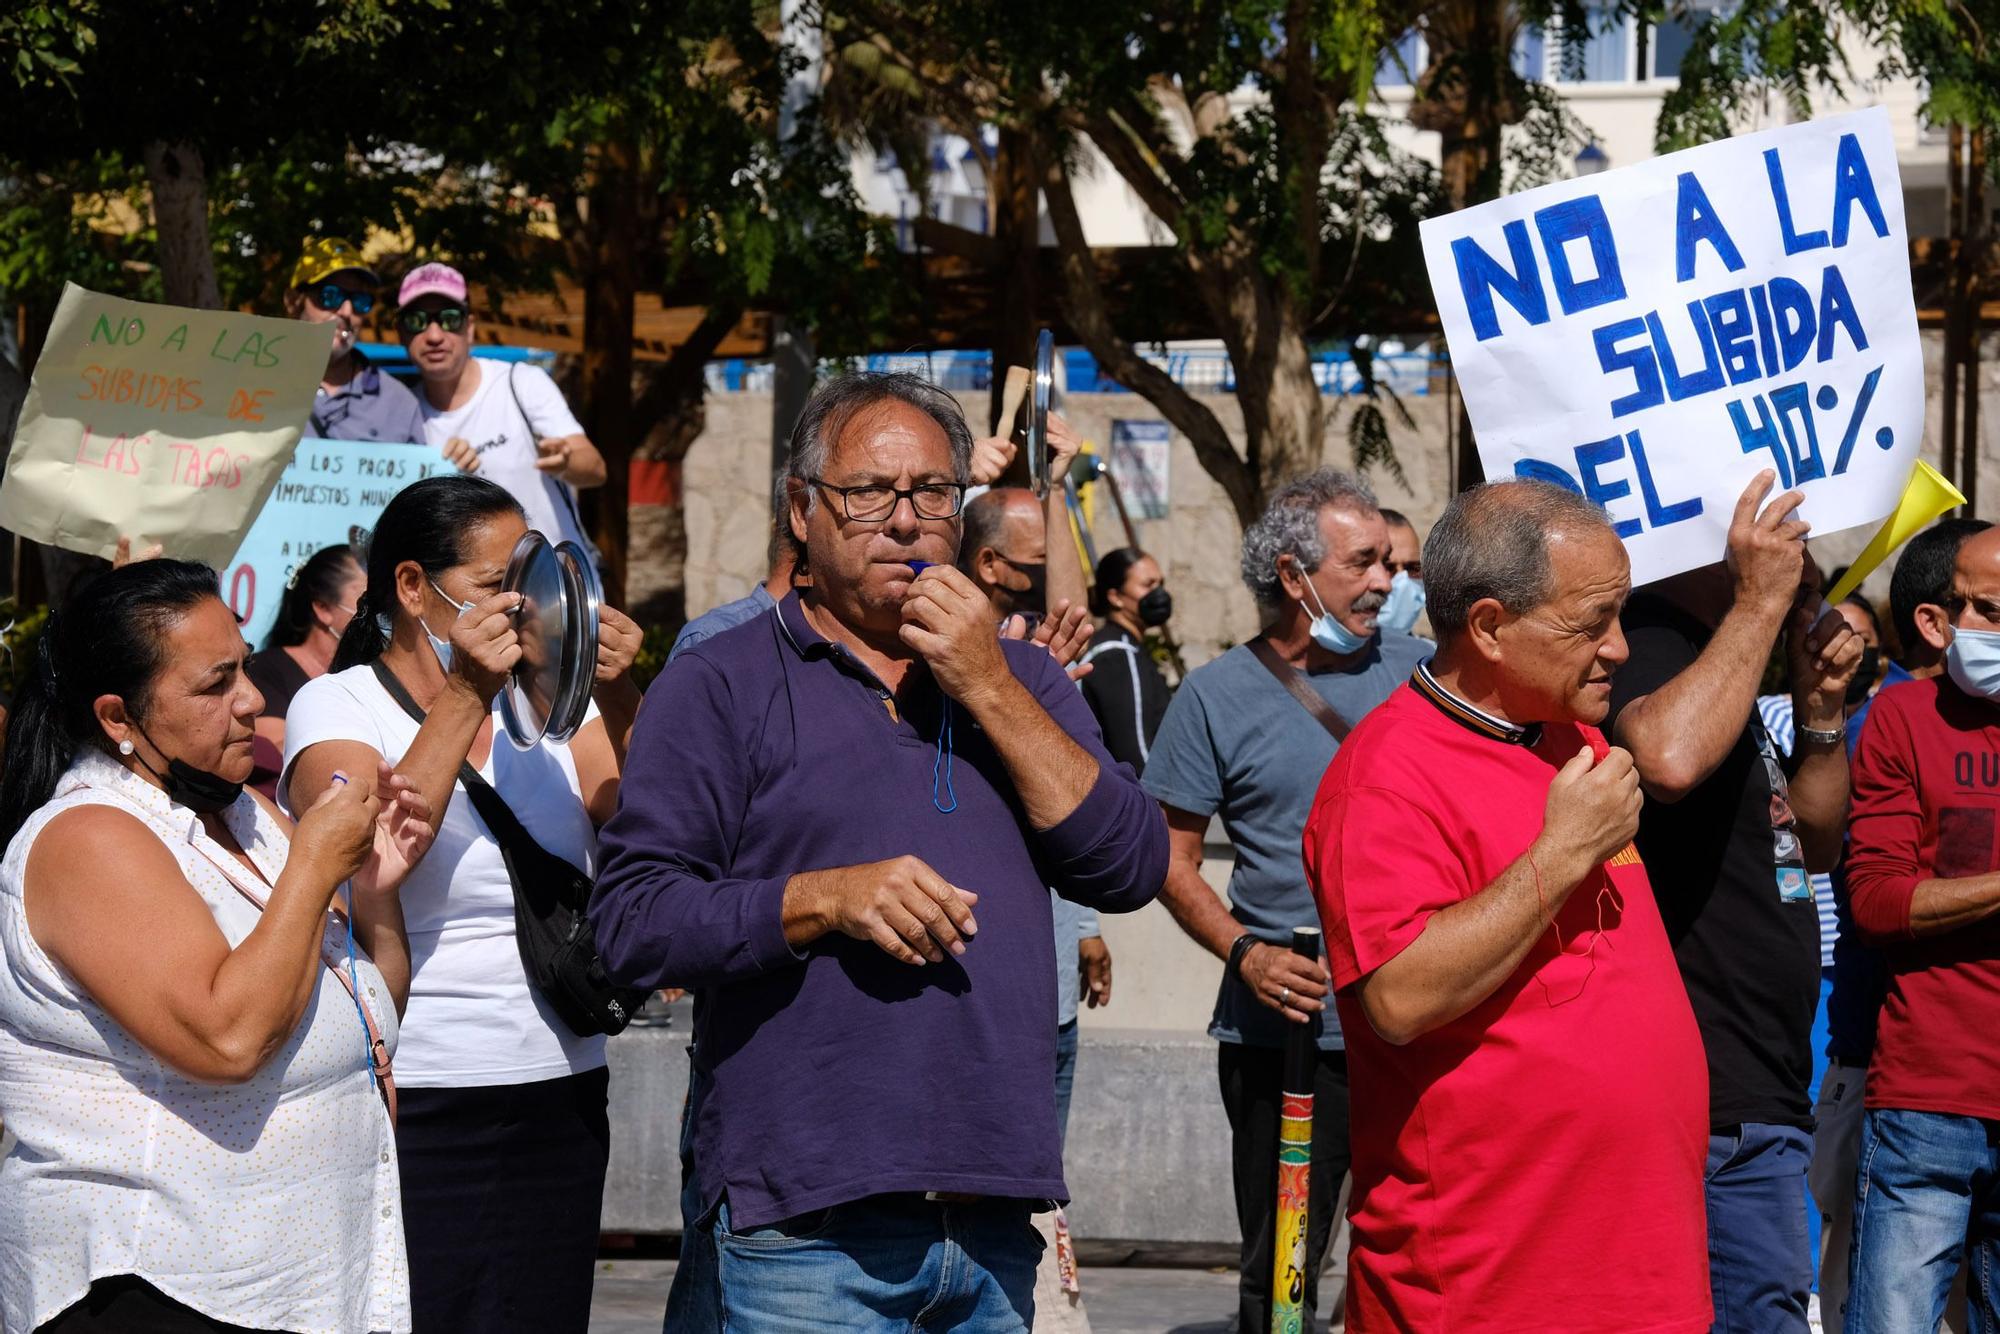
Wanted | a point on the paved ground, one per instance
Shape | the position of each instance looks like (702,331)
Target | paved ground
(631,1295)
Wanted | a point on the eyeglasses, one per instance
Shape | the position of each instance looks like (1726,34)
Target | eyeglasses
(332,296)
(413,322)
(873,504)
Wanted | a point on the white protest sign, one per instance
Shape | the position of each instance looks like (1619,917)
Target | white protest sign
(1655,336)
(159,424)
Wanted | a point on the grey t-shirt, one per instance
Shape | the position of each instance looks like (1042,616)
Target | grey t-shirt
(1234,741)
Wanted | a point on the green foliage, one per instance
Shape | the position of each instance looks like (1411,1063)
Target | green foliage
(20,636)
(652,656)
(41,44)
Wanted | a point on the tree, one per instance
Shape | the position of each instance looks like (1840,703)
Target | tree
(101,89)
(1291,219)
(671,152)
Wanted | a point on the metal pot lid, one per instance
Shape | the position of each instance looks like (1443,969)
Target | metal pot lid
(586,599)
(1038,412)
(534,690)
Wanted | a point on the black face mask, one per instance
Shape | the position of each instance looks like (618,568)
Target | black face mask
(1864,676)
(1156,607)
(200,791)
(1035,597)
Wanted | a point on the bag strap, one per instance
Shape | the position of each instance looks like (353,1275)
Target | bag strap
(564,491)
(1292,679)
(378,1048)
(492,807)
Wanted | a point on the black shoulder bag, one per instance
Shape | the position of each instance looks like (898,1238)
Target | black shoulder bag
(551,902)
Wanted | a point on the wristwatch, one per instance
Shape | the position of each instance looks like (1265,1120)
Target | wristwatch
(1823,737)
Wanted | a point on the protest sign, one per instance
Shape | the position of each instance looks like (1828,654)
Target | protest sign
(161,424)
(1654,336)
(331,492)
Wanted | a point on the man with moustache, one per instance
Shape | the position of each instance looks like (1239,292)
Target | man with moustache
(332,285)
(1530,1102)
(1247,737)
(816,805)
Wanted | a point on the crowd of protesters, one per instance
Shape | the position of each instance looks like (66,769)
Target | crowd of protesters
(1632,973)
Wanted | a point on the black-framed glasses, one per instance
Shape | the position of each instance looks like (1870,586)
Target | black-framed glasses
(873,504)
(332,296)
(451,319)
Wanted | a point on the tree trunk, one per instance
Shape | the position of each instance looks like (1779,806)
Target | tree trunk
(180,215)
(1089,314)
(1012,201)
(610,287)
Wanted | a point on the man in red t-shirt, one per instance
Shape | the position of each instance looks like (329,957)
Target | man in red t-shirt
(1923,879)
(1530,1099)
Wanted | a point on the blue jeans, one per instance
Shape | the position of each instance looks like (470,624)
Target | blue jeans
(1926,1197)
(1759,1247)
(886,1263)
(1065,1078)
(694,1302)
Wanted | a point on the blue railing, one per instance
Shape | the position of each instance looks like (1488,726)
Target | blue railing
(392,358)
(1201,370)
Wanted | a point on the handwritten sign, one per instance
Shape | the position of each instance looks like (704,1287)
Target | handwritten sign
(1654,336)
(331,492)
(163,424)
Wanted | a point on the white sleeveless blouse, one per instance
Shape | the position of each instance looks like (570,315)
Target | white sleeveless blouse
(273,1204)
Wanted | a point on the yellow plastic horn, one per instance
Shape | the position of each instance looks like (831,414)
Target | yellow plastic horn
(1926,497)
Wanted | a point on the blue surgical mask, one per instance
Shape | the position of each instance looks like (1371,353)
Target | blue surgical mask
(1973,660)
(1405,604)
(442,647)
(1329,633)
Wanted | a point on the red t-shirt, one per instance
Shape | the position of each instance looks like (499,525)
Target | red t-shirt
(1926,802)
(1537,1163)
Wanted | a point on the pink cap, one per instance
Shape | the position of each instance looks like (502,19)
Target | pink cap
(432,280)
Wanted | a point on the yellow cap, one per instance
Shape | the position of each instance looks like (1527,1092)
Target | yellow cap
(325,256)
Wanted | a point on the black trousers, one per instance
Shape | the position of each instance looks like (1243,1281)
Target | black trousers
(502,1189)
(127,1304)
(1252,1092)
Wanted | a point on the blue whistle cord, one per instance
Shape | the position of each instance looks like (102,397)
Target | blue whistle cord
(941,766)
(354,976)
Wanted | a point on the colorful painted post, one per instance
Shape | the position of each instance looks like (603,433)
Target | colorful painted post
(1295,1133)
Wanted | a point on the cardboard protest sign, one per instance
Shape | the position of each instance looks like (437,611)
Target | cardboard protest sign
(1655,336)
(163,424)
(331,492)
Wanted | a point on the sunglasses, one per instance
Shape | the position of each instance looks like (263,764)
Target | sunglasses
(451,319)
(332,296)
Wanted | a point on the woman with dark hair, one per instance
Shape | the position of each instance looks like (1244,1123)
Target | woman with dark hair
(194,1038)
(318,604)
(504,1131)
(1125,688)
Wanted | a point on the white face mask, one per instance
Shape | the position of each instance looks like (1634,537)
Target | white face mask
(1973,662)
(1328,632)
(442,647)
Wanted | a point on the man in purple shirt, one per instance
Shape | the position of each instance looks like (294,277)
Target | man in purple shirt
(838,823)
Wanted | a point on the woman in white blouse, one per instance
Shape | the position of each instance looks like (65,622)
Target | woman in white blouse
(504,1135)
(194,1041)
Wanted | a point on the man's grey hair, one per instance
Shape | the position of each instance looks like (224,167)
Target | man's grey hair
(837,402)
(1493,542)
(1289,526)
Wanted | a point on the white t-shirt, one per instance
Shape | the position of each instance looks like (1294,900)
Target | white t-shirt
(473,1019)
(505,440)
